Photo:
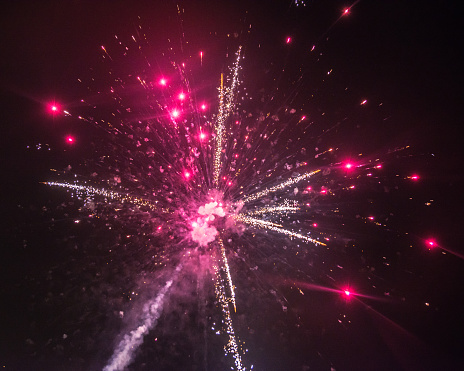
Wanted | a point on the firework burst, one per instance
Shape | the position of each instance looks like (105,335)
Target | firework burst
(225,202)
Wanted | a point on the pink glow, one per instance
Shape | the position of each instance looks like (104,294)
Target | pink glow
(175,113)
(414,177)
(202,136)
(203,107)
(163,82)
(69,139)
(289,40)
(323,191)
(54,108)
(187,175)
(346,11)
(348,166)
(181,96)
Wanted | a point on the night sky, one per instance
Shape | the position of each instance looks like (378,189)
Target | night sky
(62,295)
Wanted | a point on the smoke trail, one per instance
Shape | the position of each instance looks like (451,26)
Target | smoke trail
(123,355)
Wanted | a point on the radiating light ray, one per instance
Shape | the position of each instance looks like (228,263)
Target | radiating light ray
(285,208)
(124,198)
(226,104)
(232,346)
(277,228)
(280,186)
(227,270)
(124,353)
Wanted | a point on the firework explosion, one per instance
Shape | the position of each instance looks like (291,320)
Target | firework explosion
(212,217)
(205,179)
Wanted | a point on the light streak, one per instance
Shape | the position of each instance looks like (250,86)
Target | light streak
(124,198)
(276,228)
(226,104)
(280,186)
(286,207)
(232,346)
(227,270)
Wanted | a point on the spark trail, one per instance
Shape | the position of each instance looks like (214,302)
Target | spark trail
(112,195)
(226,105)
(280,186)
(277,228)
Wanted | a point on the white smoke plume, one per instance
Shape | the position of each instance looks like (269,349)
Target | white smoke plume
(124,353)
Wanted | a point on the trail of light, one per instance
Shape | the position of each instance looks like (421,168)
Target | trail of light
(286,207)
(89,190)
(232,345)
(123,355)
(280,186)
(276,227)
(226,103)
(227,270)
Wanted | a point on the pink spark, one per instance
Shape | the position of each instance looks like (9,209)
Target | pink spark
(54,108)
(431,243)
(230,183)
(314,224)
(289,40)
(308,188)
(187,175)
(323,191)
(346,11)
(414,177)
(363,102)
(163,82)
(370,217)
(69,139)
(203,107)
(175,113)
(348,166)
(181,96)
(202,136)
(347,292)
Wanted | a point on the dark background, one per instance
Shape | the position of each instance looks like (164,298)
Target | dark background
(405,55)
